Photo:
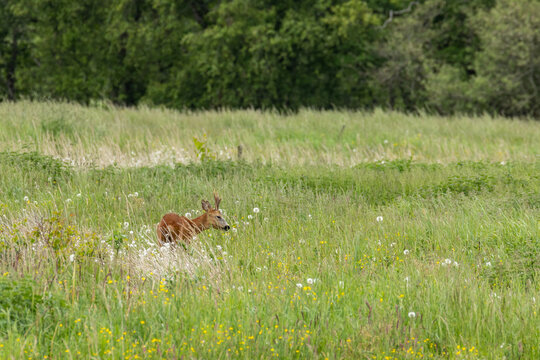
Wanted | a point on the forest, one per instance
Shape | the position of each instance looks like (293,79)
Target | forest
(443,57)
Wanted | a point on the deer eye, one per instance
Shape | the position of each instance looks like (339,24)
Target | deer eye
(219,217)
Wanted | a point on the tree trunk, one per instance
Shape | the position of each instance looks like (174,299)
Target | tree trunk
(12,66)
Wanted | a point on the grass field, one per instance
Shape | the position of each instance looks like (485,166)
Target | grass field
(356,235)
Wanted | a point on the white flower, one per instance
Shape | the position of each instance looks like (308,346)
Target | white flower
(310,281)
(502,162)
(456,264)
(298,285)
(224,253)
(407,279)
(79,195)
(341,283)
(68,200)
(488,263)
(393,244)
(448,261)
(136,194)
(256,210)
(250,217)
(406,252)
(385,141)
(234,230)
(379,218)
(309,216)
(72,257)
(412,314)
(258,269)
(131,232)
(188,215)
(126,225)
(265,219)
(218,247)
(25,198)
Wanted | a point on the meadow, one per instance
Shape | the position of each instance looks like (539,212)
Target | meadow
(365,235)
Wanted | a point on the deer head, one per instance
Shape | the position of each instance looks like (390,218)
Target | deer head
(214,217)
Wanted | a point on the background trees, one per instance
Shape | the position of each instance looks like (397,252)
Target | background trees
(446,56)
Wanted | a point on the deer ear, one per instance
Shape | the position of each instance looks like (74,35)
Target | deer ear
(205,205)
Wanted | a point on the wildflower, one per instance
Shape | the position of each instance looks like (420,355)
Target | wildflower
(25,198)
(310,281)
(412,314)
(265,219)
(406,252)
(218,247)
(488,263)
(126,225)
(259,269)
(136,194)
(299,285)
(131,232)
(456,264)
(256,210)
(341,283)
(385,141)
(503,162)
(72,257)
(79,195)
(448,261)
(309,216)
(379,218)
(68,200)
(188,215)
(250,217)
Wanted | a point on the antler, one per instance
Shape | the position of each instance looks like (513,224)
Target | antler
(217,199)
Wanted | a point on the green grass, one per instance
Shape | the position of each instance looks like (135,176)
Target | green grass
(451,271)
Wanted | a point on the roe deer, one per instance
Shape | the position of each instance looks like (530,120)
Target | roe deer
(173,227)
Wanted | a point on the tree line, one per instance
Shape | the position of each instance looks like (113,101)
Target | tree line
(444,56)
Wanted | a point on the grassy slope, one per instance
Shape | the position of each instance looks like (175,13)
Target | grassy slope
(442,191)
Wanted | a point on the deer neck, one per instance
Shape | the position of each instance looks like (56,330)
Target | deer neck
(201,223)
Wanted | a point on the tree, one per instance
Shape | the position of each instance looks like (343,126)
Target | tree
(508,65)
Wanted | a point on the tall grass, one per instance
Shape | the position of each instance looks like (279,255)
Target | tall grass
(423,246)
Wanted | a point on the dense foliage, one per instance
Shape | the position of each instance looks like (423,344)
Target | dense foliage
(445,56)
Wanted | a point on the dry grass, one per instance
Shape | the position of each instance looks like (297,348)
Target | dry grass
(103,136)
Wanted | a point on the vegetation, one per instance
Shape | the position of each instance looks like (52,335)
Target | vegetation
(443,56)
(356,235)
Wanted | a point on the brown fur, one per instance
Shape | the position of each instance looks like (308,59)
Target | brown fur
(174,228)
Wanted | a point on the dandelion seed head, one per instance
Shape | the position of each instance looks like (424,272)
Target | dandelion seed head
(256,210)
(379,218)
(406,252)
(412,314)
(299,285)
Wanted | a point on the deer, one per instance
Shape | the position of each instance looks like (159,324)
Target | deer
(174,228)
